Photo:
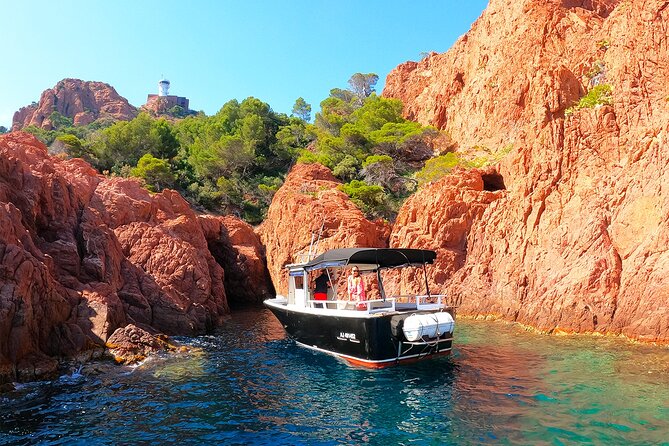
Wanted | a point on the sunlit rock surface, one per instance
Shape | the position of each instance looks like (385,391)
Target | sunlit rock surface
(82,255)
(309,213)
(81,101)
(578,240)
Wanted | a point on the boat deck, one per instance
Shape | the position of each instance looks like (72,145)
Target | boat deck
(367,307)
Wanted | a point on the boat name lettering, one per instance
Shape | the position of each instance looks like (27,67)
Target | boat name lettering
(347,335)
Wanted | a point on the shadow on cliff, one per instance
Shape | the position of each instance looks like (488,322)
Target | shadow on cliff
(247,281)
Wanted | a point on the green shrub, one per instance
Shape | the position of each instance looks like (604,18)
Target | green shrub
(346,168)
(155,171)
(46,136)
(59,121)
(598,95)
(177,111)
(491,158)
(73,146)
(371,199)
(307,157)
(438,167)
(376,159)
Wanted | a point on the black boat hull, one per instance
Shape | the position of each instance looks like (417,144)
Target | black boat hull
(367,340)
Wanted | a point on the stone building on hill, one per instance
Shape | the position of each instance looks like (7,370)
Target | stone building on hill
(164,103)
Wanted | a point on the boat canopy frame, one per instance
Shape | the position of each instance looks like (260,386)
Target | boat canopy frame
(371,258)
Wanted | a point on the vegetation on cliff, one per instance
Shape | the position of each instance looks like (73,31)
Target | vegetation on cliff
(599,95)
(367,143)
(235,160)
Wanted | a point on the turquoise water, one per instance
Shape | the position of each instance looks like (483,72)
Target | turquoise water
(250,385)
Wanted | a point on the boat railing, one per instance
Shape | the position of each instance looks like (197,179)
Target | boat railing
(369,306)
(394,303)
(422,301)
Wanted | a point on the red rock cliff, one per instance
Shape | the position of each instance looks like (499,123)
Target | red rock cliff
(82,256)
(578,241)
(82,101)
(309,204)
(237,248)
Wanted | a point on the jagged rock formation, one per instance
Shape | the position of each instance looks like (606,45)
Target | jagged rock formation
(82,256)
(579,239)
(82,101)
(307,207)
(439,216)
(236,247)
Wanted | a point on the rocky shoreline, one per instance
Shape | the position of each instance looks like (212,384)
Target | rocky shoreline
(83,256)
(568,231)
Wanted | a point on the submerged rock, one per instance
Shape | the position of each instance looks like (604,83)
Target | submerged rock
(131,344)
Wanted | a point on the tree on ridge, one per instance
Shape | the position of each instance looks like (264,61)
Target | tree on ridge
(302,109)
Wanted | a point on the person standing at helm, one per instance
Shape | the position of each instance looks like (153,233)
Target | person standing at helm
(322,285)
(356,286)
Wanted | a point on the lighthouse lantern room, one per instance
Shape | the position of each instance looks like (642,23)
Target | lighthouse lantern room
(163,87)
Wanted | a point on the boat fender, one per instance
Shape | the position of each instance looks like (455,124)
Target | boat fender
(427,326)
(396,326)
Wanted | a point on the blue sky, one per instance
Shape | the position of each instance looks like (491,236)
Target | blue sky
(214,51)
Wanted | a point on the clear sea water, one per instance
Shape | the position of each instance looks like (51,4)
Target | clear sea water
(250,385)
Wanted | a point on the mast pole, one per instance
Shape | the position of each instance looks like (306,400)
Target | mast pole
(382,291)
(427,284)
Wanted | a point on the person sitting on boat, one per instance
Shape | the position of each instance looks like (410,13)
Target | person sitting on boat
(356,286)
(322,284)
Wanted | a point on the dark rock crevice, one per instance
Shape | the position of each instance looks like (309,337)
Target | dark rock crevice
(493,181)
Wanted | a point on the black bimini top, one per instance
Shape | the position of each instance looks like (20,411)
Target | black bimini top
(377,257)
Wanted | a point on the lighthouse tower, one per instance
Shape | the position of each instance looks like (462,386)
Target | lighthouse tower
(163,102)
(163,87)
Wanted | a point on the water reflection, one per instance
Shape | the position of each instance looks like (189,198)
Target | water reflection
(249,385)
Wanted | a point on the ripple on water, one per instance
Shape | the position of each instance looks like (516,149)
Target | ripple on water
(249,385)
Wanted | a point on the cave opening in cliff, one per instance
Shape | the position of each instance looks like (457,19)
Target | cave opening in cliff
(493,181)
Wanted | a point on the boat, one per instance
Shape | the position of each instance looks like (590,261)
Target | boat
(379,332)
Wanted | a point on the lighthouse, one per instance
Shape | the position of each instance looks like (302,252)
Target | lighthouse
(163,87)
(164,102)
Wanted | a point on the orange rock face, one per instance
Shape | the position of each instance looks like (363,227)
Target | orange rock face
(307,206)
(82,256)
(82,101)
(439,217)
(578,240)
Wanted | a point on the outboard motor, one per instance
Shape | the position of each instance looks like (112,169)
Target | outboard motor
(419,327)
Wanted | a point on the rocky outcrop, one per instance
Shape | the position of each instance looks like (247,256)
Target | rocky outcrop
(578,241)
(439,217)
(131,344)
(309,213)
(169,107)
(160,236)
(236,247)
(82,256)
(82,101)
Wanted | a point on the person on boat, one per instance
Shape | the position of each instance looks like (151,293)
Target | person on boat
(356,286)
(322,284)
